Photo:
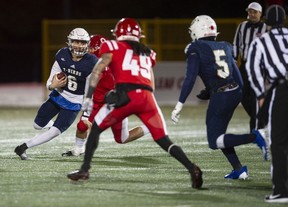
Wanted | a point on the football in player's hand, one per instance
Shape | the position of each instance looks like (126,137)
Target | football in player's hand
(60,75)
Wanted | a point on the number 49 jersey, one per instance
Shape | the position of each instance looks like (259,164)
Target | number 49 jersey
(126,66)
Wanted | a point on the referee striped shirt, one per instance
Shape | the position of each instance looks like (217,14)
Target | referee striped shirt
(267,57)
(246,32)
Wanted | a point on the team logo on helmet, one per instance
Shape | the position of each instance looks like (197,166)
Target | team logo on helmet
(127,29)
(95,43)
(203,26)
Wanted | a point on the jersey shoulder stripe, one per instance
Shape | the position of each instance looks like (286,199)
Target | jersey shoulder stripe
(112,45)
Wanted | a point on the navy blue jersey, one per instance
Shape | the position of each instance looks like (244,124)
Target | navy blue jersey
(76,71)
(213,62)
(66,101)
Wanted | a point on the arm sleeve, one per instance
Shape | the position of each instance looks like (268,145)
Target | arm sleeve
(236,43)
(55,69)
(87,85)
(253,68)
(193,63)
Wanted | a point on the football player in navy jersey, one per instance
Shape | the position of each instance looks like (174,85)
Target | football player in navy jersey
(67,92)
(213,62)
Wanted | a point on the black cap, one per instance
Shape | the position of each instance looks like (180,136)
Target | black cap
(275,15)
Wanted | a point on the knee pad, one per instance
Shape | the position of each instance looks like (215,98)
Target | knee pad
(81,126)
(118,140)
(218,144)
(121,140)
(36,126)
(47,126)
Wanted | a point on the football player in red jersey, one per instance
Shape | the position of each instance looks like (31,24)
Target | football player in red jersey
(106,83)
(131,64)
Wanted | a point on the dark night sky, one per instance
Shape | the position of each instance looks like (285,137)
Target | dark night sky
(20,23)
(21,19)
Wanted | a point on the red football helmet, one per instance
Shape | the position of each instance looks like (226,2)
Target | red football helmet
(95,43)
(127,29)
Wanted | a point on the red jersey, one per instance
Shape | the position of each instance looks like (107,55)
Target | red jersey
(105,84)
(126,66)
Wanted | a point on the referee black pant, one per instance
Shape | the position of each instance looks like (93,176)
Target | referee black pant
(278,126)
(249,101)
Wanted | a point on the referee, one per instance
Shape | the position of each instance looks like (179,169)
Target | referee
(268,57)
(246,32)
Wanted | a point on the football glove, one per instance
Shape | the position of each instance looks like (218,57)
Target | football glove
(204,94)
(87,105)
(175,115)
(116,98)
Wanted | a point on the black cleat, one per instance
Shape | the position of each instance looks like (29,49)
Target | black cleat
(72,153)
(196,177)
(78,175)
(21,152)
(67,154)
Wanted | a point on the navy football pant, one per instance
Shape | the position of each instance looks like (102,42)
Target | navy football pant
(219,113)
(49,109)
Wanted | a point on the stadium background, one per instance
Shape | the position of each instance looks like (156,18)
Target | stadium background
(35,30)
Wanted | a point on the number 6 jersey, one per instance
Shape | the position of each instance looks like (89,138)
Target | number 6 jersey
(71,96)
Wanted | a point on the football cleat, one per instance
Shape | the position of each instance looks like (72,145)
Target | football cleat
(67,154)
(196,177)
(276,199)
(264,134)
(21,153)
(77,151)
(242,174)
(78,175)
(261,143)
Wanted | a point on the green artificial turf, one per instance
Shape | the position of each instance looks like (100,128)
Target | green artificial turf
(135,174)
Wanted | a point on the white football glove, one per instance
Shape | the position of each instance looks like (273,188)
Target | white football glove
(175,115)
(87,105)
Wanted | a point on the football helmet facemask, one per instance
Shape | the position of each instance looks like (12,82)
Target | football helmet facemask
(95,43)
(78,41)
(203,26)
(127,29)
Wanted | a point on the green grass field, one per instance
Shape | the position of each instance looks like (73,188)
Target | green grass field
(132,175)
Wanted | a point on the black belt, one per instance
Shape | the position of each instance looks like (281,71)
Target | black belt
(282,80)
(130,87)
(227,87)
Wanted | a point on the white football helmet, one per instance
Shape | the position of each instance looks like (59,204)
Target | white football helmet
(203,26)
(78,41)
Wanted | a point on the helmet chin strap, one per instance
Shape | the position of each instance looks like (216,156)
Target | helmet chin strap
(76,49)
(76,57)
(78,54)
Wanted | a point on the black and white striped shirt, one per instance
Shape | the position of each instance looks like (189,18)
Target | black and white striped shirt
(246,32)
(267,57)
